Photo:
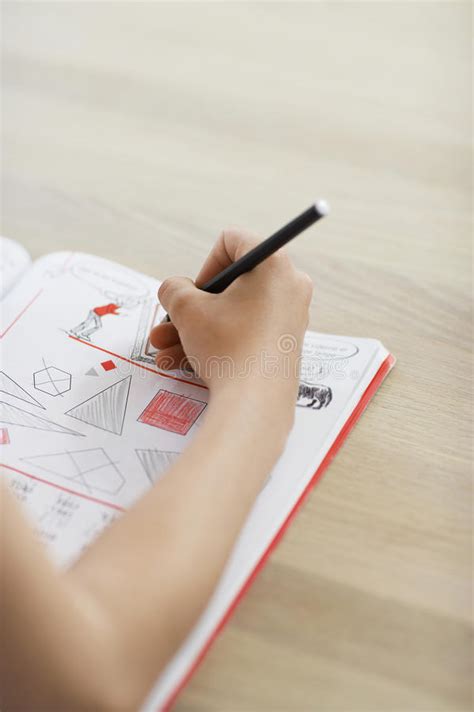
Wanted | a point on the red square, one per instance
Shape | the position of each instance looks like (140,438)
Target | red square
(108,365)
(171,411)
(4,436)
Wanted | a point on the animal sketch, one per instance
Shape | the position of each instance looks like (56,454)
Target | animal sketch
(315,397)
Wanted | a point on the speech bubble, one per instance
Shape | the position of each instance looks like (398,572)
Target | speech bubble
(326,358)
(120,284)
(328,350)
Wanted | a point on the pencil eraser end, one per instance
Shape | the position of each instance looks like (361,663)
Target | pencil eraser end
(322,207)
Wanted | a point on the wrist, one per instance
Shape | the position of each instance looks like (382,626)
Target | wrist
(266,405)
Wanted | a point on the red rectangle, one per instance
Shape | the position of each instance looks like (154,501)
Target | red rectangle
(4,436)
(172,411)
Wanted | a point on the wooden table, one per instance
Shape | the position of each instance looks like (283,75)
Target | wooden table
(137,131)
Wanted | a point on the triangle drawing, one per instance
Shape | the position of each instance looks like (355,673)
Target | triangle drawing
(106,409)
(156,462)
(91,372)
(17,416)
(12,388)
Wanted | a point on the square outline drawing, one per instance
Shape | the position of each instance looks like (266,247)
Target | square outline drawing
(164,421)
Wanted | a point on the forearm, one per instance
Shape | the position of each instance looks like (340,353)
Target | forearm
(53,644)
(97,636)
(154,570)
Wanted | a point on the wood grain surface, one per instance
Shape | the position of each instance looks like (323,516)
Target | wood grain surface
(137,131)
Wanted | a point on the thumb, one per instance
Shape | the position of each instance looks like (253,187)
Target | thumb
(179,296)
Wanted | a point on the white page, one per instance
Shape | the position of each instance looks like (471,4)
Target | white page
(14,261)
(81,443)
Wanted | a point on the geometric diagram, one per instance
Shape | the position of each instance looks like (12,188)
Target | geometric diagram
(106,409)
(91,372)
(51,380)
(91,468)
(4,436)
(108,365)
(315,397)
(12,388)
(156,462)
(173,412)
(12,415)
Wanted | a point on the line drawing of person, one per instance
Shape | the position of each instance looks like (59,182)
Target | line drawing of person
(93,321)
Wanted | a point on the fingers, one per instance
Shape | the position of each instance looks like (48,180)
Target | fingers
(180,297)
(231,245)
(171,358)
(162,336)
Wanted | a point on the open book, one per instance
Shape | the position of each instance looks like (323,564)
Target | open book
(88,423)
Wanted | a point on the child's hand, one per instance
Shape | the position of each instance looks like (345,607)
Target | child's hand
(251,333)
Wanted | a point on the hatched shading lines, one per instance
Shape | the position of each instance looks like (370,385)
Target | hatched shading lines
(156,462)
(172,411)
(106,409)
(12,415)
(11,388)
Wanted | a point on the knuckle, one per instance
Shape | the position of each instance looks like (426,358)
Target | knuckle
(174,294)
(280,261)
(306,285)
(306,281)
(230,234)
(238,241)
(179,301)
(165,288)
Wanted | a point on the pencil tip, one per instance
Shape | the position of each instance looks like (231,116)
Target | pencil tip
(322,207)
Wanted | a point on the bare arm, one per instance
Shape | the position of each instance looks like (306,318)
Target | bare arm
(97,636)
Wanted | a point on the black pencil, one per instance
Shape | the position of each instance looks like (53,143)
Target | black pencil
(266,248)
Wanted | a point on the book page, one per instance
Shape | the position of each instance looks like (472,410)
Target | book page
(14,261)
(88,423)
